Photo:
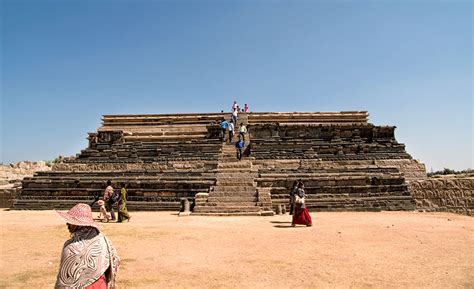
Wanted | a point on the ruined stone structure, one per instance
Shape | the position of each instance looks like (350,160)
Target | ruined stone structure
(451,193)
(11,176)
(345,162)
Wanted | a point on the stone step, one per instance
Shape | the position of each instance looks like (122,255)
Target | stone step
(232,199)
(227,209)
(41,204)
(235,182)
(230,151)
(363,199)
(235,164)
(236,174)
(233,194)
(236,214)
(341,190)
(104,174)
(236,189)
(236,170)
(235,203)
(339,175)
(232,158)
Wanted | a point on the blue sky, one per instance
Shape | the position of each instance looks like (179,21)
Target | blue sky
(66,63)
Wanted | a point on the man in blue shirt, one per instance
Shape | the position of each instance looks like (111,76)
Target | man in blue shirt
(224,126)
(239,145)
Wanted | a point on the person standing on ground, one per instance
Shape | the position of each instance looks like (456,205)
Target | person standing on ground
(239,145)
(231,131)
(88,259)
(301,215)
(109,200)
(293,191)
(122,205)
(242,131)
(246,108)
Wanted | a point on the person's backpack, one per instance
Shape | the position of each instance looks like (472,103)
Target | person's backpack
(114,197)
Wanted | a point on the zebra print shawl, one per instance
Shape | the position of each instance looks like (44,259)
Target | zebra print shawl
(85,257)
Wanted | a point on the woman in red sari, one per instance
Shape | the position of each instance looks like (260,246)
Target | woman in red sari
(301,215)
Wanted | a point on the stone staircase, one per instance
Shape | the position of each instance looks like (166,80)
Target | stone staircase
(235,192)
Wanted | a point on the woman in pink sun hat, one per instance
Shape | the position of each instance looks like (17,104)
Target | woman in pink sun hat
(88,259)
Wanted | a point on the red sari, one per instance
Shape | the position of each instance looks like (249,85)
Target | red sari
(301,216)
(99,284)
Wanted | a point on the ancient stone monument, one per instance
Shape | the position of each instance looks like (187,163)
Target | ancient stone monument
(345,162)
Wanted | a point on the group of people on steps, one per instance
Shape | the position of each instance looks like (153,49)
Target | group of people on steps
(229,126)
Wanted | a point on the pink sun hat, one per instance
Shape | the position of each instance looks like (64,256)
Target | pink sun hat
(79,215)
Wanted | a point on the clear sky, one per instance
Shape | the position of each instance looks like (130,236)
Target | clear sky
(66,63)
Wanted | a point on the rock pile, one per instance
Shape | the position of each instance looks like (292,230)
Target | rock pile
(11,176)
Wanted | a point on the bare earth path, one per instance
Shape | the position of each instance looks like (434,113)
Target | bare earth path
(341,250)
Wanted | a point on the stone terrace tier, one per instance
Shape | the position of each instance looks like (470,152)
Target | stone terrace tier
(147,189)
(325,141)
(145,128)
(332,186)
(149,152)
(345,162)
(344,117)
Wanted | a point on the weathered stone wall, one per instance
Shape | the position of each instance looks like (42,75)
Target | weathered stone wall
(412,169)
(14,173)
(164,166)
(11,176)
(444,194)
(8,195)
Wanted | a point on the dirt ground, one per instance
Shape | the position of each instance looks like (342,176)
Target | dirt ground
(341,250)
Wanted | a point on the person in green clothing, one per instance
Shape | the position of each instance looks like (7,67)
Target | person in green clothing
(122,205)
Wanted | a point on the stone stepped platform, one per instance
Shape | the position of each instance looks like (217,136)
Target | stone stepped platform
(345,162)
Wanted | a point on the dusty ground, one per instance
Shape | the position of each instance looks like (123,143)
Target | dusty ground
(343,250)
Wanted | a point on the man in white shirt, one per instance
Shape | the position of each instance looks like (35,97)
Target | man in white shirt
(242,131)
(234,116)
(235,106)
